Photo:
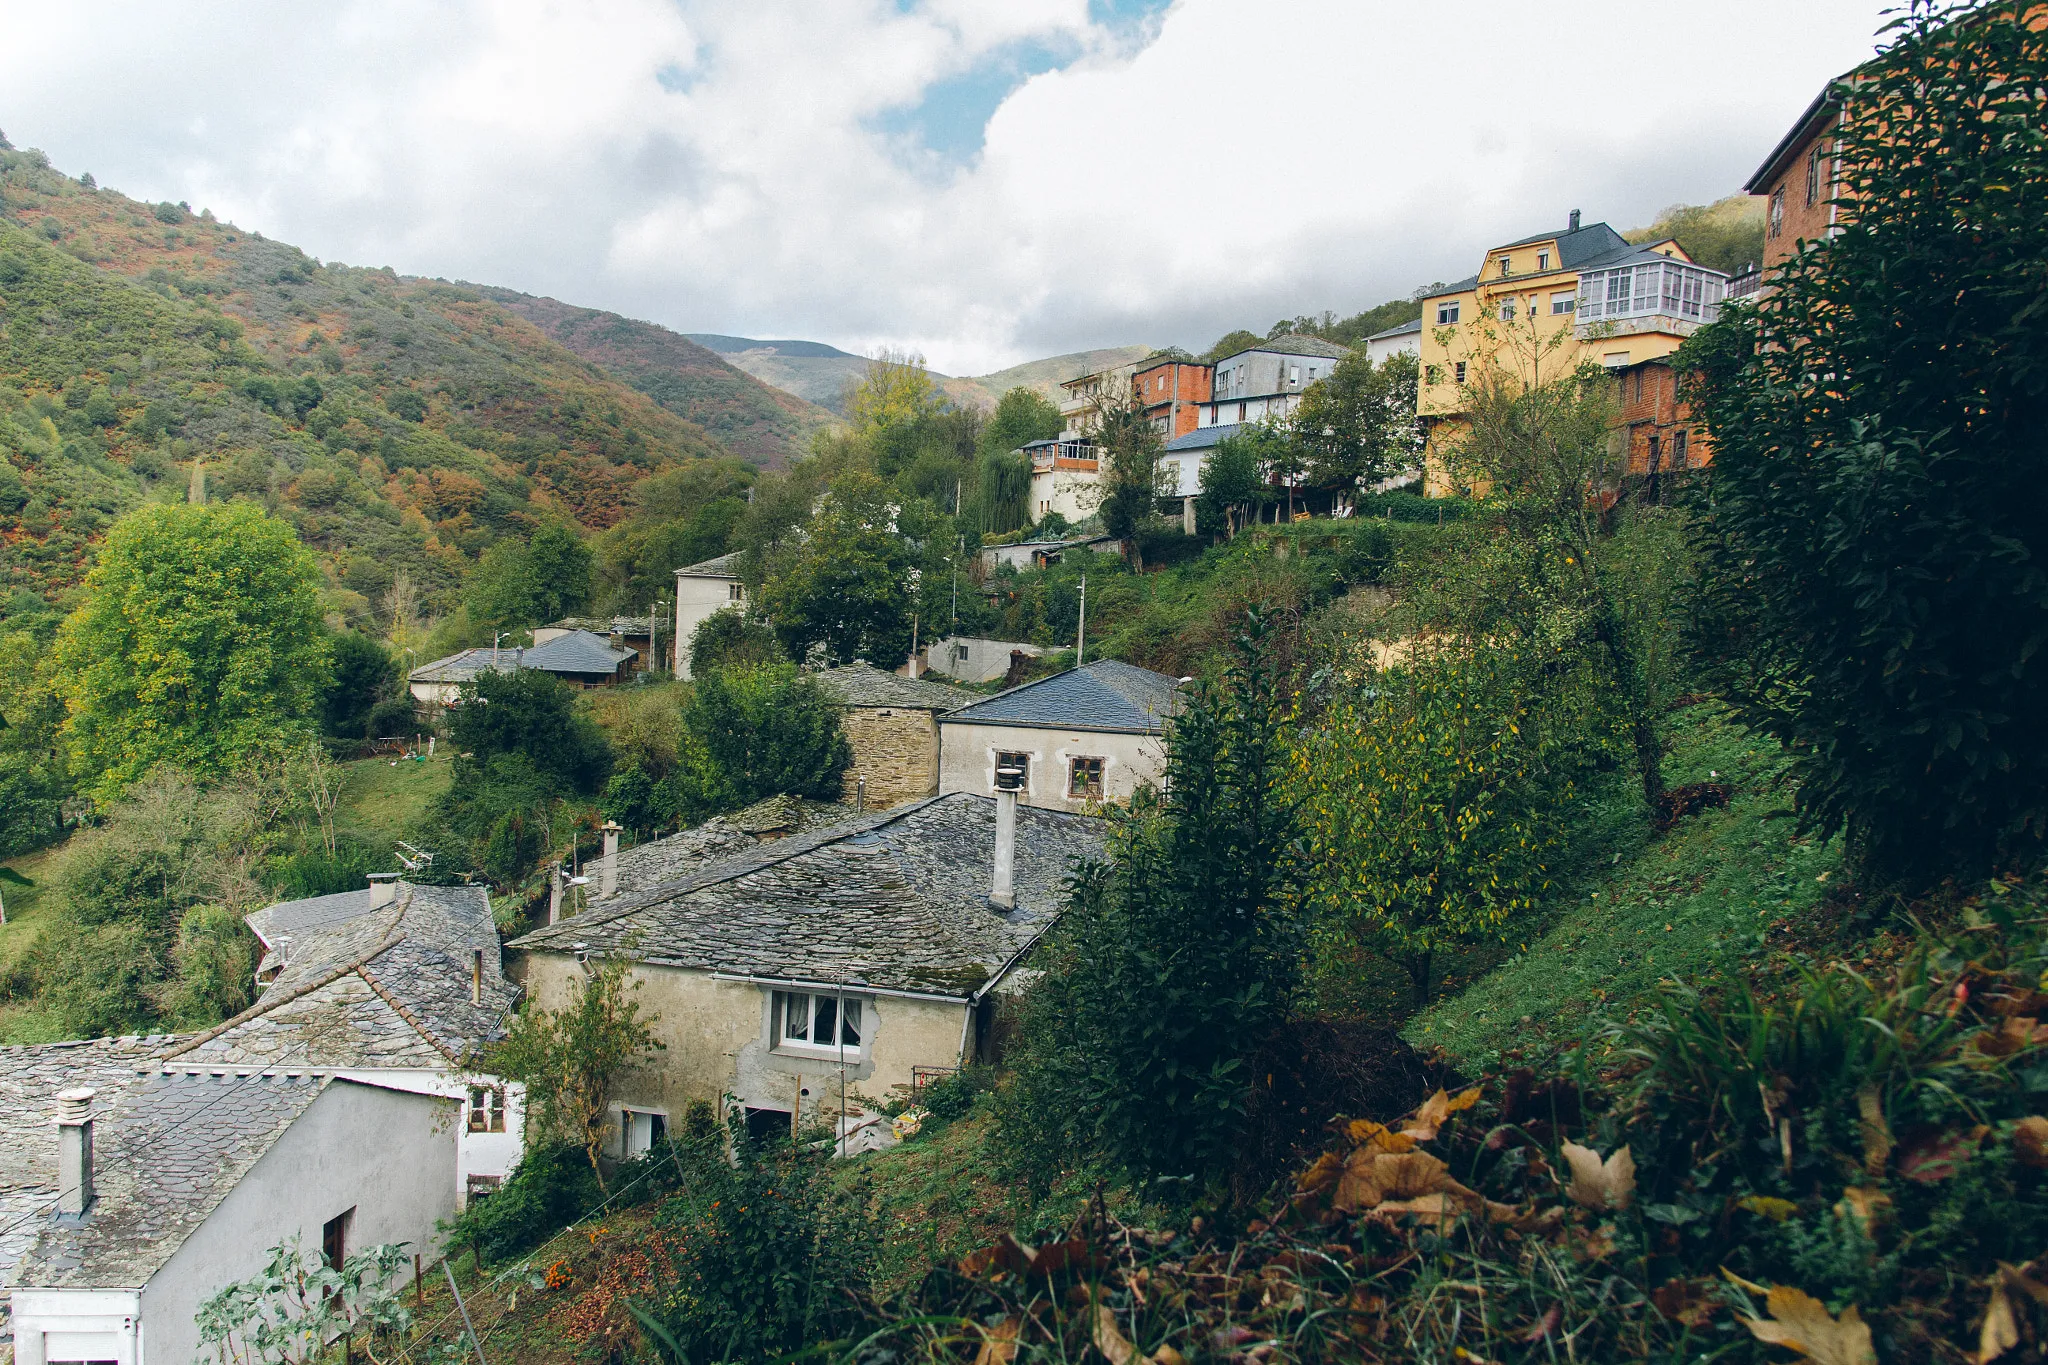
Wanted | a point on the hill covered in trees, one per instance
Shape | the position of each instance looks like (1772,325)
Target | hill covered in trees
(402,425)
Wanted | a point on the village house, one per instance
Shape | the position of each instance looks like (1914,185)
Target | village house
(973,659)
(640,634)
(1265,381)
(808,976)
(701,590)
(1797,181)
(1066,478)
(1084,737)
(577,657)
(630,871)
(1171,386)
(891,723)
(1406,339)
(1582,294)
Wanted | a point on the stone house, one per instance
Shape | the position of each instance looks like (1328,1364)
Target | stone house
(1091,735)
(892,725)
(849,960)
(626,872)
(701,590)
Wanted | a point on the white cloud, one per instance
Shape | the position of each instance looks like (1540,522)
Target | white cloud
(731,166)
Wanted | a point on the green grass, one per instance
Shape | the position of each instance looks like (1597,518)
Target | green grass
(383,802)
(1686,906)
(28,909)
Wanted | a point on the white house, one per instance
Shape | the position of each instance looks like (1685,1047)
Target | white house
(971,658)
(1403,340)
(1267,380)
(1066,477)
(842,962)
(1090,735)
(702,589)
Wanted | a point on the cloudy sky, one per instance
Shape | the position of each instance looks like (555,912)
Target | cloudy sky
(985,181)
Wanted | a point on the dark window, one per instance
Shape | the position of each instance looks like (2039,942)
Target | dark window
(1446,314)
(817,1021)
(767,1125)
(1678,447)
(482,1186)
(1459,372)
(334,1240)
(1656,448)
(1777,219)
(960,653)
(487,1109)
(1019,761)
(1084,778)
(1813,160)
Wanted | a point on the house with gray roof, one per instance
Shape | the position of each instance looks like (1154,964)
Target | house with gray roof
(578,657)
(645,866)
(840,963)
(702,590)
(1085,737)
(1403,340)
(892,724)
(1266,381)
(178,1183)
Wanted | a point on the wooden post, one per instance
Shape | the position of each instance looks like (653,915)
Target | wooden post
(419,1288)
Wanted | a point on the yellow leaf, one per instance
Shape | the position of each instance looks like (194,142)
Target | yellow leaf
(1777,1210)
(1801,1323)
(1597,1184)
(999,1343)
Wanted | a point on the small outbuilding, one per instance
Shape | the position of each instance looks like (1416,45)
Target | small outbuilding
(580,658)
(891,722)
(970,658)
(1090,735)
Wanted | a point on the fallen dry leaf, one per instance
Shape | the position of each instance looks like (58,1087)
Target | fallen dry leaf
(1685,1301)
(1365,1132)
(2001,1329)
(1877,1134)
(1867,1207)
(1434,1111)
(1936,1158)
(1322,1175)
(1597,1184)
(1802,1323)
(2030,1141)
(1117,1348)
(999,1343)
(1767,1206)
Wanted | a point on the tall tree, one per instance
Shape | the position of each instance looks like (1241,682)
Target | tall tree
(1874,585)
(843,586)
(530,584)
(1358,426)
(1131,477)
(199,645)
(1021,415)
(754,731)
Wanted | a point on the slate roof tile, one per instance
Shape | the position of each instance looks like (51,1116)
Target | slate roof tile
(862,684)
(1106,695)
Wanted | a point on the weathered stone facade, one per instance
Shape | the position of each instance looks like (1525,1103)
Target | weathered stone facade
(895,752)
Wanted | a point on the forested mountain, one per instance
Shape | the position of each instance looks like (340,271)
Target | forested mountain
(401,424)
(754,420)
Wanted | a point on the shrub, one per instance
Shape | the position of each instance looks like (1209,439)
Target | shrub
(727,638)
(550,1188)
(531,714)
(755,732)
(215,961)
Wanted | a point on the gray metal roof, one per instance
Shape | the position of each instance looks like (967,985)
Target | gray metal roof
(897,901)
(577,652)
(389,987)
(724,566)
(1408,328)
(862,684)
(30,1078)
(165,1155)
(1106,695)
(1202,438)
(1293,344)
(645,866)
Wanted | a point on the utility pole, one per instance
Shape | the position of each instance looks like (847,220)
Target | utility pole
(959,548)
(1081,632)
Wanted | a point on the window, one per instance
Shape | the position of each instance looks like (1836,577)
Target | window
(1446,314)
(1505,265)
(487,1109)
(1543,260)
(1562,302)
(1678,444)
(641,1131)
(734,592)
(1458,372)
(1777,220)
(1010,760)
(1656,454)
(1813,159)
(1294,374)
(334,1239)
(1614,360)
(816,1023)
(1084,778)
(481,1186)
(1507,310)
(960,654)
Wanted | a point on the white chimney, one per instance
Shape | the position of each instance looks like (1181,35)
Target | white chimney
(383,889)
(74,1151)
(608,876)
(1004,893)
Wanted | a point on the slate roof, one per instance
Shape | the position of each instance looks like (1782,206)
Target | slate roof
(577,652)
(1592,247)
(648,865)
(862,684)
(896,901)
(1413,325)
(617,625)
(461,667)
(389,987)
(164,1156)
(30,1078)
(1106,695)
(725,566)
(1201,438)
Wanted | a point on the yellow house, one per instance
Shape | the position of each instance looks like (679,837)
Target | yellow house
(1541,306)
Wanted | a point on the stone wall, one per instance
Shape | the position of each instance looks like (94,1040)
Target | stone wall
(895,750)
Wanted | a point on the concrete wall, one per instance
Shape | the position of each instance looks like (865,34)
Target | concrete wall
(986,660)
(388,1155)
(895,751)
(716,1041)
(1073,493)
(967,761)
(696,599)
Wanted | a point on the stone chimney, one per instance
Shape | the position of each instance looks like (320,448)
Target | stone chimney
(1574,222)
(608,875)
(555,893)
(74,1151)
(1004,891)
(383,889)
(476,976)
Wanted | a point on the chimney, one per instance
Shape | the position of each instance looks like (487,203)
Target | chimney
(383,889)
(608,876)
(1574,221)
(555,893)
(74,1151)
(476,976)
(1004,893)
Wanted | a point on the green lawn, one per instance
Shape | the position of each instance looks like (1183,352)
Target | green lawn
(386,800)
(1682,907)
(28,908)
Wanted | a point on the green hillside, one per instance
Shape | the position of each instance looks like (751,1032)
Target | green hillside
(754,420)
(401,424)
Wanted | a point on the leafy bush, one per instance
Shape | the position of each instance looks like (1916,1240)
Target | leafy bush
(316,872)
(215,962)
(1874,594)
(530,714)
(551,1187)
(754,732)
(728,638)
(361,679)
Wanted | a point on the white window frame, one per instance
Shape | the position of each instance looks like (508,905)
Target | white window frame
(1542,261)
(637,1130)
(1563,301)
(1507,310)
(486,1109)
(856,1009)
(1458,372)
(1447,314)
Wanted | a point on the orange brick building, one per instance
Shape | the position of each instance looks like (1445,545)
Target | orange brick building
(1797,181)
(1661,436)
(1172,386)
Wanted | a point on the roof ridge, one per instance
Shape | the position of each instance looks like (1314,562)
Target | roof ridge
(362,969)
(259,1009)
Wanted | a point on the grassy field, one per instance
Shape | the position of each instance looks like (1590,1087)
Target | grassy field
(28,909)
(1704,899)
(386,800)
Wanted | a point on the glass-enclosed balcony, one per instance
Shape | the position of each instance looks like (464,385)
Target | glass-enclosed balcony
(1688,294)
